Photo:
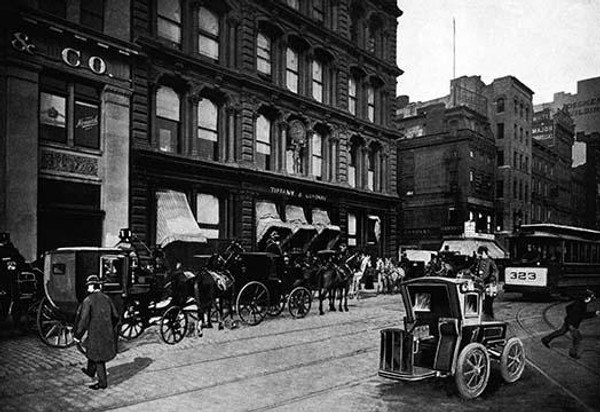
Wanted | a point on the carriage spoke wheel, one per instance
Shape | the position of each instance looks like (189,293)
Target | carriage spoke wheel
(277,307)
(252,303)
(472,370)
(54,328)
(173,325)
(512,360)
(299,302)
(132,325)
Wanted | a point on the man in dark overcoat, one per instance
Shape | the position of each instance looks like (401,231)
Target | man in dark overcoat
(97,316)
(576,312)
(486,271)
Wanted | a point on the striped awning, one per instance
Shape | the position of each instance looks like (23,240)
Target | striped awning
(174,219)
(328,234)
(268,219)
(302,232)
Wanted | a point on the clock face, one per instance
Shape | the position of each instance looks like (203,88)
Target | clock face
(297,132)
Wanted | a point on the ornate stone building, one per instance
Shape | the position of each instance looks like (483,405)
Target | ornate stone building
(65,83)
(266,114)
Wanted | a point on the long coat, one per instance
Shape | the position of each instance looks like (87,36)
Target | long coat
(97,315)
(486,270)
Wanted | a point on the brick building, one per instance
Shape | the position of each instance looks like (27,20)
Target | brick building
(65,82)
(552,177)
(266,114)
(446,166)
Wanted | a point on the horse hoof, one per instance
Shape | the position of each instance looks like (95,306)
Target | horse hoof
(221,327)
(209,326)
(321,313)
(346,309)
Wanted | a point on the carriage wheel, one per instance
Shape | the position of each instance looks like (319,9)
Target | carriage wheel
(512,360)
(252,303)
(31,316)
(277,307)
(173,325)
(472,370)
(299,302)
(53,327)
(132,324)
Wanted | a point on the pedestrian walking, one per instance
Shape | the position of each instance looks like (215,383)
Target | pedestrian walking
(97,316)
(576,311)
(486,271)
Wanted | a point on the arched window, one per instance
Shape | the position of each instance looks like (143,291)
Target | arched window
(263,53)
(208,33)
(371,103)
(168,119)
(169,20)
(263,142)
(208,136)
(500,105)
(291,70)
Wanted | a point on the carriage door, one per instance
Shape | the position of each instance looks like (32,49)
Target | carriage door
(68,215)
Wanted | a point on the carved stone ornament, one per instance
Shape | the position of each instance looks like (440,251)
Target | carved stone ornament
(69,163)
(297,133)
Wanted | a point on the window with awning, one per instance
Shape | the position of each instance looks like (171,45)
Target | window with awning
(268,219)
(328,234)
(175,220)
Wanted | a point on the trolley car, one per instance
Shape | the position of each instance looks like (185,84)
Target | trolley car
(444,335)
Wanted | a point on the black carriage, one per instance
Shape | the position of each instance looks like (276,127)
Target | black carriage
(65,272)
(444,335)
(20,285)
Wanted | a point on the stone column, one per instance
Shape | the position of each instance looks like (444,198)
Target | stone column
(115,137)
(19,157)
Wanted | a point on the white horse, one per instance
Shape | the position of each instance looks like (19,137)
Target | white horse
(389,275)
(365,263)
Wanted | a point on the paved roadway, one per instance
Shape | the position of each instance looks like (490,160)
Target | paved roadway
(318,363)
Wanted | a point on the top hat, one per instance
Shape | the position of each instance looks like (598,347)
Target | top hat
(92,280)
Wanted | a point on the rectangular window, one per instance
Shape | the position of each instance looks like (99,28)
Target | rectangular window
(263,142)
(208,33)
(317,81)
(169,20)
(263,54)
(167,119)
(515,159)
(92,14)
(317,156)
(373,230)
(500,157)
(499,188)
(371,104)
(208,137)
(291,70)
(87,124)
(53,117)
(352,230)
(500,131)
(352,95)
(207,215)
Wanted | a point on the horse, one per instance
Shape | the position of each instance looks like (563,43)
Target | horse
(362,263)
(389,275)
(333,279)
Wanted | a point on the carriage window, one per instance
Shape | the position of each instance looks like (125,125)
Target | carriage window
(112,269)
(58,269)
(471,305)
(422,302)
(430,301)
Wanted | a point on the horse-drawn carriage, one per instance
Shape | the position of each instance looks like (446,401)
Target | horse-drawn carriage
(444,335)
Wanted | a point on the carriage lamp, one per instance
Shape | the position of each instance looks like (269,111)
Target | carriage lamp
(11,265)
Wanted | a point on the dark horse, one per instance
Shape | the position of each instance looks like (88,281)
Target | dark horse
(333,279)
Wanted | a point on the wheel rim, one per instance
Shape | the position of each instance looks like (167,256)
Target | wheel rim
(515,359)
(132,325)
(475,370)
(299,303)
(54,330)
(276,309)
(173,325)
(253,303)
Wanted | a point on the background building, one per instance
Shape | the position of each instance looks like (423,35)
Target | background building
(65,82)
(264,114)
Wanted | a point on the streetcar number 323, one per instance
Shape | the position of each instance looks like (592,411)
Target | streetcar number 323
(522,276)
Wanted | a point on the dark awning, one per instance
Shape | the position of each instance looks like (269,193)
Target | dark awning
(174,219)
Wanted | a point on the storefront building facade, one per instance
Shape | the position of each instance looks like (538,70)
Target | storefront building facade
(64,141)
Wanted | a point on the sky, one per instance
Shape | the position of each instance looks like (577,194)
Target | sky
(547,44)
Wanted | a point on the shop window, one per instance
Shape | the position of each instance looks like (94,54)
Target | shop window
(317,80)
(56,7)
(208,136)
(92,14)
(168,119)
(263,54)
(291,70)
(263,142)
(69,113)
(207,215)
(352,95)
(169,20)
(352,230)
(208,33)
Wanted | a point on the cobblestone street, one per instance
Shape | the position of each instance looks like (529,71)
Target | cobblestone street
(317,363)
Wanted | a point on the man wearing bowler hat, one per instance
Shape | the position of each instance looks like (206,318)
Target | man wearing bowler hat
(97,315)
